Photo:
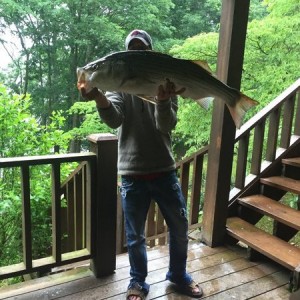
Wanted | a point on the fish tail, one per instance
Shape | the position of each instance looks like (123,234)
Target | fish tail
(238,111)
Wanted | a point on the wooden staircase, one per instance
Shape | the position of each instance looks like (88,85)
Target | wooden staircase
(286,220)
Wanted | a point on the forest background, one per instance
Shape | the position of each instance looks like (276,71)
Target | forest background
(40,106)
(55,37)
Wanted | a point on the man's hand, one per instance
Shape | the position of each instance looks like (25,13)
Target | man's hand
(96,95)
(91,95)
(168,91)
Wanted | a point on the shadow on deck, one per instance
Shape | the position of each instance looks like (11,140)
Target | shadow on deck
(223,272)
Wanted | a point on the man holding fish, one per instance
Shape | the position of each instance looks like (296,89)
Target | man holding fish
(147,169)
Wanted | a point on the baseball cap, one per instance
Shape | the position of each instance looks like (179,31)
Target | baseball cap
(142,35)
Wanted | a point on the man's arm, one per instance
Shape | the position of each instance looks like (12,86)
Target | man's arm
(110,114)
(99,97)
(166,108)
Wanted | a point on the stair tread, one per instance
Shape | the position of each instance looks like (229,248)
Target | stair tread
(284,183)
(269,245)
(274,209)
(294,161)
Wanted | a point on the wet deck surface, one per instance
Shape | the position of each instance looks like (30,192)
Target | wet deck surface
(223,273)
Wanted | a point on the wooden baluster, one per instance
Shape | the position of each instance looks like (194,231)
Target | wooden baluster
(56,213)
(273,135)
(196,189)
(258,144)
(26,217)
(242,161)
(184,179)
(297,115)
(287,121)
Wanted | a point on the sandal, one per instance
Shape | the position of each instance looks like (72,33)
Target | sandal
(192,289)
(136,290)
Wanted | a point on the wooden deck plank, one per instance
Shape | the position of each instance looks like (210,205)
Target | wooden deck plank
(283,183)
(159,265)
(217,269)
(269,245)
(252,288)
(226,288)
(273,209)
(154,277)
(163,251)
(217,273)
(281,292)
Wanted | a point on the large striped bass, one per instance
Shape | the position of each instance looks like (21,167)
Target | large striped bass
(141,72)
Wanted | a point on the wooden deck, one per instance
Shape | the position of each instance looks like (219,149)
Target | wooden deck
(223,272)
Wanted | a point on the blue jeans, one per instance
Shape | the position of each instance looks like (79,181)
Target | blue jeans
(136,198)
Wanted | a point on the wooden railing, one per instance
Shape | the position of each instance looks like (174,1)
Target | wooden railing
(59,255)
(259,142)
(74,191)
(265,138)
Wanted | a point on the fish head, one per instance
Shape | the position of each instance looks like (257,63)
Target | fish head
(91,75)
(81,79)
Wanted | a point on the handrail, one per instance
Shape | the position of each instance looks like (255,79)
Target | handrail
(43,159)
(58,256)
(265,138)
(266,111)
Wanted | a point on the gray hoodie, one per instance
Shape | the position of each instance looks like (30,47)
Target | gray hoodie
(144,133)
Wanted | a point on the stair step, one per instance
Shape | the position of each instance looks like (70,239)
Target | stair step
(283,183)
(280,212)
(269,245)
(294,161)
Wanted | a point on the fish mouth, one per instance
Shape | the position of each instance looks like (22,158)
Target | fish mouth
(82,82)
(84,85)
(81,85)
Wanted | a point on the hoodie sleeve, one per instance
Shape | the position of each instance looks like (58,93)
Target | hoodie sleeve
(166,115)
(113,116)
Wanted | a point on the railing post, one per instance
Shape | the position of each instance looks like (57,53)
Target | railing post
(233,29)
(104,205)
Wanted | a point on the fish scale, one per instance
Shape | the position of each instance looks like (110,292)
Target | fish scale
(141,72)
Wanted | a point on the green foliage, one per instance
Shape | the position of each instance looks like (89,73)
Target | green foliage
(20,132)
(90,122)
(272,52)
(270,64)
(22,135)
(193,16)
(194,122)
(58,36)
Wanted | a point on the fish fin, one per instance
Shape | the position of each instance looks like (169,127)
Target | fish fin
(205,102)
(203,64)
(238,111)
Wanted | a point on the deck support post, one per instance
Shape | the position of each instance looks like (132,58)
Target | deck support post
(295,280)
(104,204)
(233,29)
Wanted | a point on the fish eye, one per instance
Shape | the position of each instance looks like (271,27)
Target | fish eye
(94,67)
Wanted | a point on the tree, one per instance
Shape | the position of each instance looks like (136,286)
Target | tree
(270,65)
(272,51)
(57,36)
(194,122)
(22,135)
(192,17)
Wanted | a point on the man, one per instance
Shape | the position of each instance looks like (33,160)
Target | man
(147,168)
